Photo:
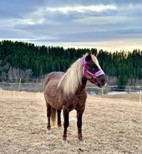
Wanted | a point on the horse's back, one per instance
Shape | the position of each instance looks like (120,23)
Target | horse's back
(53,77)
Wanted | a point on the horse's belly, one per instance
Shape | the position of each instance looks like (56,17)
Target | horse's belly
(54,102)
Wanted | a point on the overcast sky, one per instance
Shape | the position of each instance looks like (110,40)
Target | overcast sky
(102,24)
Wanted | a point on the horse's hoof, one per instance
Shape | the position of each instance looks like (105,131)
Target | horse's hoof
(64,142)
(48,132)
(82,143)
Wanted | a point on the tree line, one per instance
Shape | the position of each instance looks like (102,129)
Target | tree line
(36,61)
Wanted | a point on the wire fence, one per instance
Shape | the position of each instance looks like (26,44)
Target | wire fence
(30,87)
(108,91)
(125,92)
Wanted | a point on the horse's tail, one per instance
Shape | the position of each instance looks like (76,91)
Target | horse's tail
(53,116)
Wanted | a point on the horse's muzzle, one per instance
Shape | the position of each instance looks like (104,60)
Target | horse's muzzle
(101,81)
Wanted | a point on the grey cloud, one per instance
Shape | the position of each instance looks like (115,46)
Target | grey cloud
(30,20)
(94,36)
(91,2)
(17,9)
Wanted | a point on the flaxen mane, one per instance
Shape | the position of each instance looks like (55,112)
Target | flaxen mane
(73,77)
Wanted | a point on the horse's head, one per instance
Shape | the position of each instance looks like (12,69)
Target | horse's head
(93,71)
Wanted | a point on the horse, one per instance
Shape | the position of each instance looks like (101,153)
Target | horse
(67,91)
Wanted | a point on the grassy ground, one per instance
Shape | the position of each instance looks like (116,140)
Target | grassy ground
(112,124)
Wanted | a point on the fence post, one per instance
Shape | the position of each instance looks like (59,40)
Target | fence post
(140,98)
(102,91)
(130,90)
(19,84)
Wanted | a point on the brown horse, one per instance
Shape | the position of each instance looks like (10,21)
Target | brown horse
(67,91)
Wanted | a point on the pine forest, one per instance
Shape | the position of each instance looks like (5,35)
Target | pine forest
(28,61)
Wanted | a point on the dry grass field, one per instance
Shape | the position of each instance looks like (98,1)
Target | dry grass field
(112,124)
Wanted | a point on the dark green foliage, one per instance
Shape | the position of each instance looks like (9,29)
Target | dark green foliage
(42,60)
(121,82)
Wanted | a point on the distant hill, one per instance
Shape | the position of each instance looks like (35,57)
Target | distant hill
(25,60)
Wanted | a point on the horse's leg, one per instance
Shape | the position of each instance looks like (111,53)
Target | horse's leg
(48,119)
(79,125)
(66,124)
(59,118)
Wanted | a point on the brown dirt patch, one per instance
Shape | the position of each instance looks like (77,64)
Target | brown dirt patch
(109,126)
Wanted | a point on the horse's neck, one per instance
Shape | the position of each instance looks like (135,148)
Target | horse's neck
(82,87)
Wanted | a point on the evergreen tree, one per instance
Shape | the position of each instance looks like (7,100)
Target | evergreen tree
(42,60)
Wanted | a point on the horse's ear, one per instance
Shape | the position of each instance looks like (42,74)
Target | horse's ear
(88,57)
(95,54)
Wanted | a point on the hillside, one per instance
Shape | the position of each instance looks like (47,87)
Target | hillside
(26,61)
